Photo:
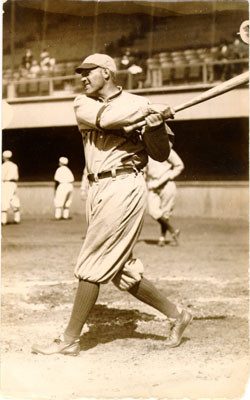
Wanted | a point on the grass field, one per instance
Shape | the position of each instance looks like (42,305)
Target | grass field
(123,353)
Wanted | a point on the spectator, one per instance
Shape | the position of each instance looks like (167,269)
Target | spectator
(46,63)
(35,70)
(126,60)
(26,63)
(138,75)
(27,60)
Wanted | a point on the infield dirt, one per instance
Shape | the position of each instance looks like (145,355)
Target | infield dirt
(122,347)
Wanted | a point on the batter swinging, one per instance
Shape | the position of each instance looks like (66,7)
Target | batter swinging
(116,202)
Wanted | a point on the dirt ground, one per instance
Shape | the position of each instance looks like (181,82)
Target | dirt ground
(122,347)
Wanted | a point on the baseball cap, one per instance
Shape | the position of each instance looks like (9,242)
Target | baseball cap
(97,60)
(63,160)
(7,154)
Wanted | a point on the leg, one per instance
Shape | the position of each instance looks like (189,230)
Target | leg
(161,241)
(147,293)
(17,216)
(58,213)
(65,213)
(4,218)
(85,299)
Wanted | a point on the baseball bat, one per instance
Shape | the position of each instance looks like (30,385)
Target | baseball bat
(209,94)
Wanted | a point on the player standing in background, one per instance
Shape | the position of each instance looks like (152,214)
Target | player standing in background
(117,199)
(10,176)
(63,189)
(162,193)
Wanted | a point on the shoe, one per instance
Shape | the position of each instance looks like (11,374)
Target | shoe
(59,346)
(161,241)
(178,328)
(175,236)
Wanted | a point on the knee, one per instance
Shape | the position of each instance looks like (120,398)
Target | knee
(130,275)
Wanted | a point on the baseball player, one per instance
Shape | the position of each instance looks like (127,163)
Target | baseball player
(63,189)
(162,193)
(10,199)
(116,202)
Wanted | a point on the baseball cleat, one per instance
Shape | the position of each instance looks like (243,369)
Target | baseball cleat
(178,328)
(59,346)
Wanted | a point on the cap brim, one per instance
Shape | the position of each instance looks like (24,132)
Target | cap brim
(85,66)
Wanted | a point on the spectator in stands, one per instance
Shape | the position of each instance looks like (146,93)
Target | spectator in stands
(27,59)
(26,63)
(126,60)
(46,63)
(226,54)
(35,70)
(138,75)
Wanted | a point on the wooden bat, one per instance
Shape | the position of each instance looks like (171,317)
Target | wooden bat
(209,94)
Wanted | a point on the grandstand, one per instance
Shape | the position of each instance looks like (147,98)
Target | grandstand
(183,48)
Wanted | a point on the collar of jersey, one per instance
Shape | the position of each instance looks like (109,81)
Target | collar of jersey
(113,95)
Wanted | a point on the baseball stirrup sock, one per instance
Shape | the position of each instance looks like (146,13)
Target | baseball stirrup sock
(85,298)
(147,292)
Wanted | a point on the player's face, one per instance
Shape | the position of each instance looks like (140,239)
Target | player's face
(93,81)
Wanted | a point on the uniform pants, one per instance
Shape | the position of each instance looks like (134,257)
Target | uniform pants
(161,202)
(115,210)
(9,196)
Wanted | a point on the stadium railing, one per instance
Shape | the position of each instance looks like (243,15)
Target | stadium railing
(157,76)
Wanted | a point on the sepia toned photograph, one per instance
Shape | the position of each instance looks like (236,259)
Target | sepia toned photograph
(124,200)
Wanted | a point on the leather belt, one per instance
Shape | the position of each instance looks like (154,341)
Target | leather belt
(112,173)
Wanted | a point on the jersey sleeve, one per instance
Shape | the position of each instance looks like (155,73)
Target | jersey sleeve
(91,113)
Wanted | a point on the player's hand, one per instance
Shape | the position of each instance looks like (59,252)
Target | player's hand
(164,109)
(153,120)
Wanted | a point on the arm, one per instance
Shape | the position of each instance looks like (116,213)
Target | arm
(177,165)
(91,113)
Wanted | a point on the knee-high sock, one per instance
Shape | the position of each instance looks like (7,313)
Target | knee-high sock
(147,292)
(163,226)
(85,298)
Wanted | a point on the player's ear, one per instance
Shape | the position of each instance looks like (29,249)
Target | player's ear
(106,73)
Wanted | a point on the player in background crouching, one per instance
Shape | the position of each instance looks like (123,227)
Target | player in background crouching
(10,176)
(63,189)
(162,193)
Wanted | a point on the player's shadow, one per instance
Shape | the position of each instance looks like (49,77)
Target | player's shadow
(109,324)
(153,242)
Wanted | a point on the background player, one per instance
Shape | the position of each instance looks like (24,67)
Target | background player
(162,193)
(10,199)
(116,202)
(63,189)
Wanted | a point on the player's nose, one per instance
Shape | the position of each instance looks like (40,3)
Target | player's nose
(84,79)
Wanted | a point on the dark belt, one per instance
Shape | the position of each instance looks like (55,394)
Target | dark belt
(112,173)
(10,180)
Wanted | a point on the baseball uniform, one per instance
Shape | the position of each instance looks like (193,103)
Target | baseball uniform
(10,199)
(63,195)
(115,205)
(116,200)
(161,185)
